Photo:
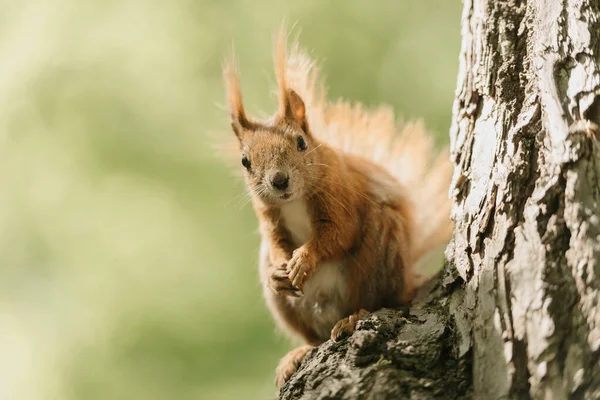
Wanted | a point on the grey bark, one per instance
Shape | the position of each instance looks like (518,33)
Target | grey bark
(516,312)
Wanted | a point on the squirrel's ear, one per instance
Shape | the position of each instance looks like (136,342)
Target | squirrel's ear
(295,110)
(239,120)
(291,106)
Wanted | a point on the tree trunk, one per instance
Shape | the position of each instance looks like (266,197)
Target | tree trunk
(516,312)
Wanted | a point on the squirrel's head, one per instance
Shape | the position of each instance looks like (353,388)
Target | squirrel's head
(278,162)
(277,155)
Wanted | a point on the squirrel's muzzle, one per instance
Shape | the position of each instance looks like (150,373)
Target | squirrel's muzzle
(280,181)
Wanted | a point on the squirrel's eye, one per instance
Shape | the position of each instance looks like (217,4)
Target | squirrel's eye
(245,161)
(301,143)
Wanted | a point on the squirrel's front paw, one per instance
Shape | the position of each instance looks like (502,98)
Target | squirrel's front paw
(300,267)
(280,283)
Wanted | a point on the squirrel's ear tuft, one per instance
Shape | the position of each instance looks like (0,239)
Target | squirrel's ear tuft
(279,58)
(291,106)
(239,120)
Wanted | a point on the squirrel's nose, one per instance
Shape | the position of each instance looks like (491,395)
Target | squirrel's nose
(280,181)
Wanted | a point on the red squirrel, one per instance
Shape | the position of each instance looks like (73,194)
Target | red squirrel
(346,205)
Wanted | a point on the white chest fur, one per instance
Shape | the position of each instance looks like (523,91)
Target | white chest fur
(325,292)
(297,221)
(325,298)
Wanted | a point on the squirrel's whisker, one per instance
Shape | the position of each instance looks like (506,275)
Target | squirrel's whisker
(313,150)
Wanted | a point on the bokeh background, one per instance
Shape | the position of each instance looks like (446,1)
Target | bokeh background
(127,257)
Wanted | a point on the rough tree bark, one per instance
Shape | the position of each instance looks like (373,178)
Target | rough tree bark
(516,311)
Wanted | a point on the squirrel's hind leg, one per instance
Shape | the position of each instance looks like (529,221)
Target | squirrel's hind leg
(345,327)
(290,363)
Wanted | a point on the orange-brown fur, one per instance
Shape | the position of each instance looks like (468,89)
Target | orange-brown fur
(361,205)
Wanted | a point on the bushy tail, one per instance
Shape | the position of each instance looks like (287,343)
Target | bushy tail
(407,151)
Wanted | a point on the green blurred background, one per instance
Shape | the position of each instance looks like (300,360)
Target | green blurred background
(127,260)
